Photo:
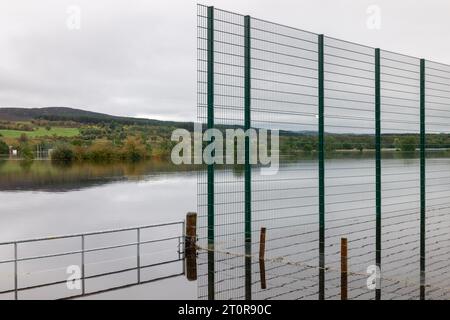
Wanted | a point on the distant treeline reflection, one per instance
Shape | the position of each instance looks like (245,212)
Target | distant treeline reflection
(56,176)
(61,176)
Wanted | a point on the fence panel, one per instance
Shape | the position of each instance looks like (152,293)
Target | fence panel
(437,115)
(350,165)
(364,153)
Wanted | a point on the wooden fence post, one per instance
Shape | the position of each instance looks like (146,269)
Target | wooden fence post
(344,270)
(262,265)
(190,246)
(262,244)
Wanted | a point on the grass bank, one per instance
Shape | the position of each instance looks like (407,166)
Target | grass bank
(41,132)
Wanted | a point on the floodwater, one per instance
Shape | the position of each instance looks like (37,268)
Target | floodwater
(41,199)
(287,205)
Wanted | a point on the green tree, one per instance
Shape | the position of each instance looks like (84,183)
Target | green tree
(134,149)
(330,143)
(307,147)
(347,146)
(167,146)
(101,151)
(23,138)
(406,144)
(4,149)
(25,152)
(63,153)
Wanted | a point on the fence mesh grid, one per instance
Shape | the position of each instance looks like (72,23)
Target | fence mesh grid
(290,80)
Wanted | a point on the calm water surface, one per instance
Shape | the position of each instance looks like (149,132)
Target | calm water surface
(41,199)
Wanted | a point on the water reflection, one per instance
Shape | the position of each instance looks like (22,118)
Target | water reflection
(287,205)
(50,176)
(62,177)
(88,197)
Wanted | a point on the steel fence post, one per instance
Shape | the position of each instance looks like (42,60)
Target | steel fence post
(321,96)
(210,125)
(378,166)
(422,179)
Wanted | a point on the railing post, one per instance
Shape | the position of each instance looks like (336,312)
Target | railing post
(422,179)
(344,269)
(182,245)
(378,166)
(15,272)
(321,96)
(138,254)
(83,282)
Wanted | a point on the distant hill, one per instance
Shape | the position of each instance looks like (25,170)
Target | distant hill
(89,117)
(81,116)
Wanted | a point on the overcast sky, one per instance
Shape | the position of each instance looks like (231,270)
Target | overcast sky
(138,58)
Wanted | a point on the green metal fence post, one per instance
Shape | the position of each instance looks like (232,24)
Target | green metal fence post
(248,172)
(378,166)
(210,124)
(321,169)
(422,179)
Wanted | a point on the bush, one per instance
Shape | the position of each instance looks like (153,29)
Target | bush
(100,151)
(166,147)
(25,152)
(23,138)
(4,149)
(406,144)
(307,147)
(134,149)
(63,153)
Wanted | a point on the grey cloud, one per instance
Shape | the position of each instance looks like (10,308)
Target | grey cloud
(137,58)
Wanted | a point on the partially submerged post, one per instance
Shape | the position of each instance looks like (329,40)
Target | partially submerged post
(190,246)
(344,269)
(262,274)
(262,243)
(262,266)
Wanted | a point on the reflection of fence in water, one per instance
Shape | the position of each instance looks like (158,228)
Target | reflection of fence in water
(106,260)
(291,270)
(332,96)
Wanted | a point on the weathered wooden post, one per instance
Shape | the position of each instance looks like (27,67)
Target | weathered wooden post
(262,265)
(262,244)
(190,246)
(262,273)
(344,269)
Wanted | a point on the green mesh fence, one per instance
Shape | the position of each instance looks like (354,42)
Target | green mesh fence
(364,155)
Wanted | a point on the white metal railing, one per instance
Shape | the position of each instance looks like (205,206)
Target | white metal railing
(83,251)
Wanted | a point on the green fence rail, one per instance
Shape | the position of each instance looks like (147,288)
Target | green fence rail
(364,149)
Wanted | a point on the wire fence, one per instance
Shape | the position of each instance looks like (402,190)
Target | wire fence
(364,144)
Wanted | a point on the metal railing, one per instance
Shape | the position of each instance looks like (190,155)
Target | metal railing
(84,250)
